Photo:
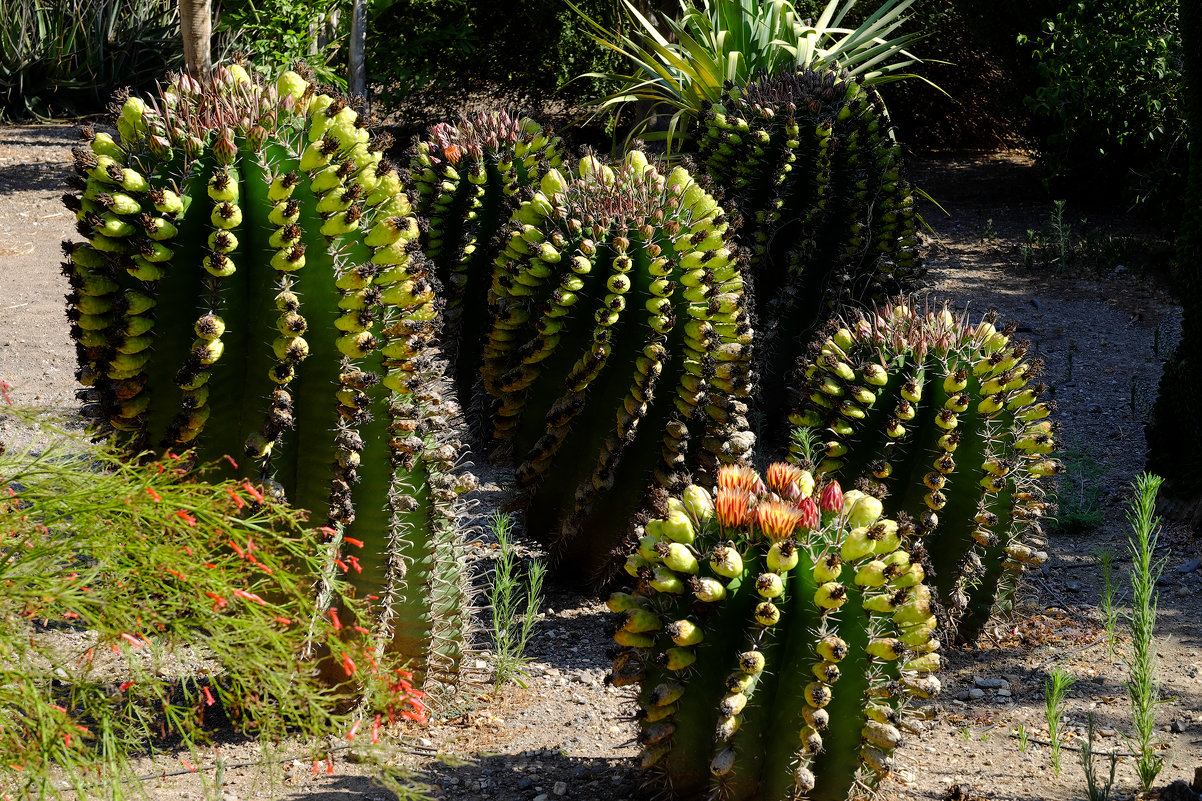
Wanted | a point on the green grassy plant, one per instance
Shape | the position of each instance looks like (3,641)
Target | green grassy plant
(141,605)
(722,45)
(1024,738)
(1079,493)
(1110,614)
(1094,789)
(1055,689)
(69,56)
(514,604)
(1143,665)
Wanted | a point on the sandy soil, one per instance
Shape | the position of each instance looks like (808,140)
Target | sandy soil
(1101,331)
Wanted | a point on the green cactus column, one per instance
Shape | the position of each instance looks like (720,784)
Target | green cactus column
(250,286)
(619,350)
(776,632)
(1175,434)
(809,162)
(467,178)
(942,420)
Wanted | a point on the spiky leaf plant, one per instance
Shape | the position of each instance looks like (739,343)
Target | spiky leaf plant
(249,286)
(808,161)
(467,178)
(776,632)
(619,349)
(942,420)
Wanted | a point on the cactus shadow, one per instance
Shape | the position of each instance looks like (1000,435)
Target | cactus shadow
(32,177)
(529,774)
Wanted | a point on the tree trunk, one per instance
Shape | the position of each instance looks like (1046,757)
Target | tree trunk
(196,24)
(357,65)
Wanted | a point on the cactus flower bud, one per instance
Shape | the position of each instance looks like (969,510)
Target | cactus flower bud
(679,528)
(831,498)
(861,509)
(697,500)
(726,561)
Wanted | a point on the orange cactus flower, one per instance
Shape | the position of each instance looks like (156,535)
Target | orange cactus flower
(732,507)
(777,520)
(738,477)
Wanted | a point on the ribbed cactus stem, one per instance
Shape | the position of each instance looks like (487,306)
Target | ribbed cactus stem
(807,160)
(467,178)
(942,419)
(776,632)
(259,294)
(619,350)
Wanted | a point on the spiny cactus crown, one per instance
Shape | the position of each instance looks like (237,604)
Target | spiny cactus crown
(250,287)
(776,629)
(941,419)
(619,348)
(808,163)
(467,179)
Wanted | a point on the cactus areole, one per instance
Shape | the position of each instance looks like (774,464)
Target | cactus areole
(249,286)
(776,629)
(942,420)
(619,350)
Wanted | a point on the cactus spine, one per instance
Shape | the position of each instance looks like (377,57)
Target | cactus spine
(942,420)
(249,286)
(467,178)
(809,163)
(619,349)
(776,632)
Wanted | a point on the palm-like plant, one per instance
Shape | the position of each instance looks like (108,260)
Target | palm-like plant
(724,43)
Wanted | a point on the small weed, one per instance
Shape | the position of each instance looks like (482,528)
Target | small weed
(511,626)
(1143,667)
(1061,236)
(1093,789)
(1055,689)
(1079,493)
(1031,248)
(1110,614)
(1024,738)
(990,233)
(965,734)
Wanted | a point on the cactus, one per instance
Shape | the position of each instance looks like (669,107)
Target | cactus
(808,161)
(467,179)
(941,420)
(776,631)
(619,350)
(249,286)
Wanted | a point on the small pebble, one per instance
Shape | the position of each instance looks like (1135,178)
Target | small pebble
(975,693)
(560,788)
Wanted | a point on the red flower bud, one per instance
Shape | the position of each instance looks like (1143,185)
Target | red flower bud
(831,499)
(809,514)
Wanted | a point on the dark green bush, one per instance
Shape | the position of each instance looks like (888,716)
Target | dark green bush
(276,33)
(534,44)
(1108,113)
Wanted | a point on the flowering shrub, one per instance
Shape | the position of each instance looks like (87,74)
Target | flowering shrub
(136,600)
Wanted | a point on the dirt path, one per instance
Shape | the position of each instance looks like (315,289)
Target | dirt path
(568,735)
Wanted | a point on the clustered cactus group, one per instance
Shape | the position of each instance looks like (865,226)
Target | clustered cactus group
(257,280)
(250,286)
(776,629)
(943,421)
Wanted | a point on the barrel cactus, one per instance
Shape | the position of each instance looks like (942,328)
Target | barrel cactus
(776,631)
(942,420)
(619,351)
(808,161)
(250,287)
(466,179)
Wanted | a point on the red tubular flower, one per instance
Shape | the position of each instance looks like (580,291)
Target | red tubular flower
(238,502)
(187,518)
(732,507)
(831,499)
(157,498)
(777,520)
(209,699)
(348,664)
(334,618)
